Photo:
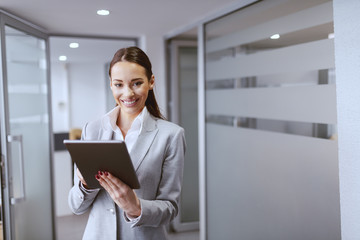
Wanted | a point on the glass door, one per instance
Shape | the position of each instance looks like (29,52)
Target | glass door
(271,166)
(25,133)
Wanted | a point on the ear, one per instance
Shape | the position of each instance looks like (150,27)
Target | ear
(152,82)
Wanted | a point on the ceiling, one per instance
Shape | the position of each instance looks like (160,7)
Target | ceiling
(95,50)
(132,19)
(127,18)
(76,18)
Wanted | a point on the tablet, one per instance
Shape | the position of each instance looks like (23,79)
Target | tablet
(111,156)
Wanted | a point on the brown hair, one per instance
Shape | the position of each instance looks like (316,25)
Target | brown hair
(136,55)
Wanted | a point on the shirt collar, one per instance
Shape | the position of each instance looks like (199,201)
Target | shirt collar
(137,124)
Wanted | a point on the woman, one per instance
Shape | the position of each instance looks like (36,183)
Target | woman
(157,151)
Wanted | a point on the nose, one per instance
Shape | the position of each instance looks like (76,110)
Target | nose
(128,91)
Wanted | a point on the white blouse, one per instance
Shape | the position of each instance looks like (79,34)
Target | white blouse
(134,131)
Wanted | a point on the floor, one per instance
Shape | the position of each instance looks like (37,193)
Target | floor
(72,227)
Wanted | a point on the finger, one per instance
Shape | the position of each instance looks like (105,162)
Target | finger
(114,182)
(111,188)
(103,183)
(119,190)
(81,178)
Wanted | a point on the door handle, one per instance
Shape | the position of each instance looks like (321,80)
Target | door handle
(2,166)
(18,138)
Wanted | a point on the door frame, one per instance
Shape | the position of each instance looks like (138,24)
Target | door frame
(174,110)
(7,19)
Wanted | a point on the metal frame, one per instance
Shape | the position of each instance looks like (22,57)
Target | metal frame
(202,132)
(3,124)
(174,73)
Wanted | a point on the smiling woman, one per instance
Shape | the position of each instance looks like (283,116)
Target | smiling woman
(156,148)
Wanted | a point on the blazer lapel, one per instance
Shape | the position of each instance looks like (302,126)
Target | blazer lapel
(107,132)
(144,141)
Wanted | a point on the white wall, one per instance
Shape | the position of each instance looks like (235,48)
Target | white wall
(60,97)
(78,94)
(347,61)
(87,83)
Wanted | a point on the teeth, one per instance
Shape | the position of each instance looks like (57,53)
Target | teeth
(129,102)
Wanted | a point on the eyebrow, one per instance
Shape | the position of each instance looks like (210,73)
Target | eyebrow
(132,80)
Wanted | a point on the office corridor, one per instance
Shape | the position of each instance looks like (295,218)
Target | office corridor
(72,227)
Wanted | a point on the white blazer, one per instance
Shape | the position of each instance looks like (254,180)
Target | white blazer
(159,160)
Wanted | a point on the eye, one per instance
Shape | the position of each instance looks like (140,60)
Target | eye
(138,83)
(118,85)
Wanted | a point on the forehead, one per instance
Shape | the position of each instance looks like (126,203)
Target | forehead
(127,69)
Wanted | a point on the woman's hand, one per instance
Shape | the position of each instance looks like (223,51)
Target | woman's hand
(82,180)
(121,193)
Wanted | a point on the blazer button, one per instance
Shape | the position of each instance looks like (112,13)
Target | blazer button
(111,210)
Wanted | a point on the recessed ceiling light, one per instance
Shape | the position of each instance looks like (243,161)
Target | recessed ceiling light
(103,12)
(62,58)
(74,45)
(275,36)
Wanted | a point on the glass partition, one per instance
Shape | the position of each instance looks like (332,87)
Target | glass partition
(26,142)
(271,139)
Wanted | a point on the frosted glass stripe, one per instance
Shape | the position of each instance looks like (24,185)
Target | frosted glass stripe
(31,119)
(28,88)
(266,181)
(318,130)
(302,57)
(314,104)
(318,15)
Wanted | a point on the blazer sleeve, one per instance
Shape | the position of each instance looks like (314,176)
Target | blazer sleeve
(80,199)
(165,207)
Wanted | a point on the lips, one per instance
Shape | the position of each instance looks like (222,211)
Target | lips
(129,102)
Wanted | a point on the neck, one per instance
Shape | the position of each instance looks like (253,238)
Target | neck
(125,121)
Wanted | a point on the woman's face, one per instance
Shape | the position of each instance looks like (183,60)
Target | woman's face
(130,87)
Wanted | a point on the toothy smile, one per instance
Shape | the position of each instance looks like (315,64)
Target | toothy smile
(129,102)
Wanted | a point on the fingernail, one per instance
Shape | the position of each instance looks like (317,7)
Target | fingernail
(97,176)
(106,173)
(101,173)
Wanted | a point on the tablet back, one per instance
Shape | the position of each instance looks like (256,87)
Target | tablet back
(111,156)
